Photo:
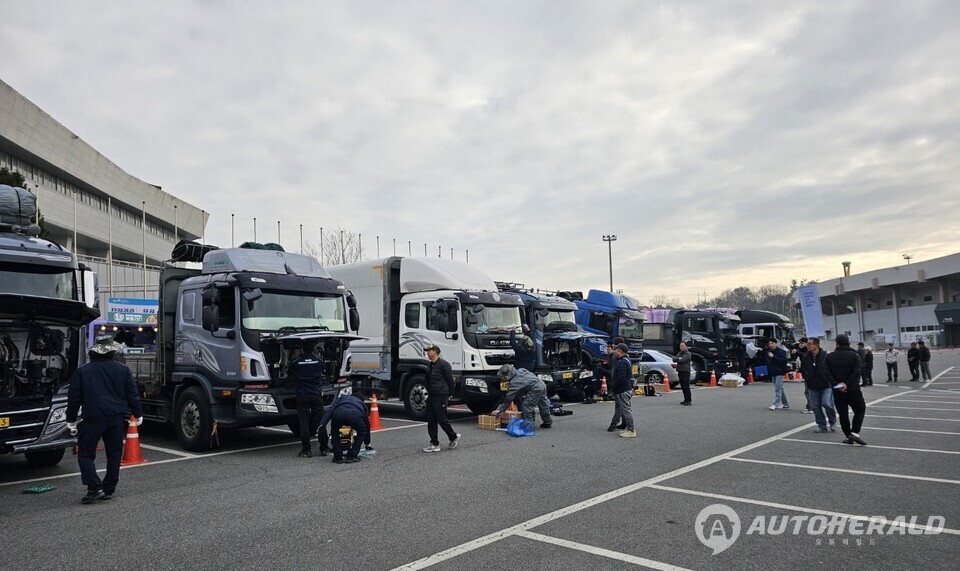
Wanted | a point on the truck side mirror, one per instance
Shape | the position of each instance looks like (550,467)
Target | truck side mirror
(211,296)
(471,319)
(251,295)
(543,312)
(88,283)
(351,300)
(355,319)
(210,317)
(478,308)
(443,322)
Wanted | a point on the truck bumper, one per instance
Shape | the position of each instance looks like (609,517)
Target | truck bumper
(54,436)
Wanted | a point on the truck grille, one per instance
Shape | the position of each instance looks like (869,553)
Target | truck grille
(499,359)
(24,426)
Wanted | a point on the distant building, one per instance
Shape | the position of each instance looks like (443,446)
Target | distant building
(119,225)
(896,305)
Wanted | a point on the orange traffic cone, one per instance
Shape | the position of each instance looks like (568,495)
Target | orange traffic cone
(797,376)
(131,446)
(713,378)
(603,385)
(750,380)
(374,414)
(666,385)
(512,407)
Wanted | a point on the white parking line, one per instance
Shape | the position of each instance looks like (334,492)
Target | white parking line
(916,418)
(846,470)
(168,450)
(649,563)
(931,400)
(920,431)
(872,446)
(479,542)
(927,384)
(801,509)
(919,408)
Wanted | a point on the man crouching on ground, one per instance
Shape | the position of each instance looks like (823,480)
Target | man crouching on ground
(525,384)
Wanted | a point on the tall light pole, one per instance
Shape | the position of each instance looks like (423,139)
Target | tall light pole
(610,239)
(143,228)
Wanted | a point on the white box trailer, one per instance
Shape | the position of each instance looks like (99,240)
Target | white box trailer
(407,304)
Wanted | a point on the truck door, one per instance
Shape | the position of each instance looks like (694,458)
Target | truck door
(216,350)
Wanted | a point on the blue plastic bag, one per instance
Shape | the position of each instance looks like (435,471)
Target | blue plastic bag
(520,427)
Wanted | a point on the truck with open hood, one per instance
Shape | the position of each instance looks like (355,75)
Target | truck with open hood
(407,304)
(559,344)
(227,333)
(46,299)
(609,315)
(712,337)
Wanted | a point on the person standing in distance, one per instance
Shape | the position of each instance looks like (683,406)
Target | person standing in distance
(776,360)
(890,358)
(308,370)
(924,360)
(844,365)
(108,394)
(913,362)
(819,382)
(439,388)
(867,373)
(682,359)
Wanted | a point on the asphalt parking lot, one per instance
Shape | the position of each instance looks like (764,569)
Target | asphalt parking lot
(573,497)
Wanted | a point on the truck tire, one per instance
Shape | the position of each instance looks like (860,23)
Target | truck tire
(192,421)
(414,397)
(44,458)
(696,371)
(482,405)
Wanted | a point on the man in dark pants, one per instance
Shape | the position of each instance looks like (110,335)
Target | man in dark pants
(108,394)
(867,373)
(524,350)
(844,365)
(682,359)
(439,388)
(532,392)
(308,370)
(347,410)
(913,361)
(621,385)
(924,360)
(890,358)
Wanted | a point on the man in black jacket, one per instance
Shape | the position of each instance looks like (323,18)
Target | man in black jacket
(844,365)
(439,388)
(819,382)
(308,370)
(682,359)
(913,361)
(108,394)
(347,410)
(924,360)
(867,373)
(776,361)
(621,385)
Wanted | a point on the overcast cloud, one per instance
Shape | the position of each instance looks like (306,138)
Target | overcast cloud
(724,143)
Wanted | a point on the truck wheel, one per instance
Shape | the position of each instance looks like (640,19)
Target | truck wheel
(415,397)
(696,371)
(44,458)
(481,405)
(654,377)
(192,420)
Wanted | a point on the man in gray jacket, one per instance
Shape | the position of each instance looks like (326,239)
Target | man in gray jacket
(525,384)
(682,359)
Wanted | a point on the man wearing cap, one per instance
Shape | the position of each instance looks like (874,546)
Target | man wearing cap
(533,391)
(621,385)
(439,388)
(924,360)
(108,394)
(890,357)
(913,361)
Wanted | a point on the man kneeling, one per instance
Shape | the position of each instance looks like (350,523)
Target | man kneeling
(347,410)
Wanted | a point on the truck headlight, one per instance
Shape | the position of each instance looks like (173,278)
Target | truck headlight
(58,415)
(545,378)
(586,374)
(474,382)
(261,402)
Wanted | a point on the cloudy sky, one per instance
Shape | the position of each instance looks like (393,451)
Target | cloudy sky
(724,143)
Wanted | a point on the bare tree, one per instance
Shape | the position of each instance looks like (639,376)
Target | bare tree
(339,247)
(661,301)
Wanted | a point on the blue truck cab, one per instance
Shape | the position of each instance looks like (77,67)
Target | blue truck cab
(609,315)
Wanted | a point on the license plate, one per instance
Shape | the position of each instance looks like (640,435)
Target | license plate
(504,385)
(636,370)
(568,375)
(4,421)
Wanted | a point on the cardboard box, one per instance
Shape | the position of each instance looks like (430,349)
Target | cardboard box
(508,415)
(730,383)
(488,422)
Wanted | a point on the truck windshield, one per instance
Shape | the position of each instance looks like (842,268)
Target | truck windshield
(556,319)
(290,309)
(492,319)
(25,280)
(630,328)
